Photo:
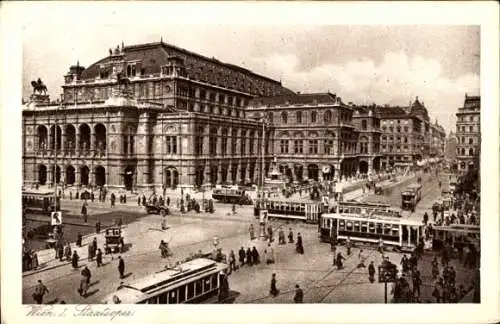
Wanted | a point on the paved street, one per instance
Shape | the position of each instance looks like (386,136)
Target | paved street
(191,232)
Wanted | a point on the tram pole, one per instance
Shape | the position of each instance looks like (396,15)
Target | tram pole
(385,293)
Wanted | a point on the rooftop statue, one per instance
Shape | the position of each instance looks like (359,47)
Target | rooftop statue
(39,87)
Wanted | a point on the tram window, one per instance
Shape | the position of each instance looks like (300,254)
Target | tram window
(190,292)
(387,229)
(341,224)
(199,287)
(206,286)
(379,228)
(357,227)
(163,298)
(349,226)
(364,227)
(172,297)
(181,292)
(371,227)
(215,281)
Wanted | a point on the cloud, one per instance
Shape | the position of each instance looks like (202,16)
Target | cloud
(395,80)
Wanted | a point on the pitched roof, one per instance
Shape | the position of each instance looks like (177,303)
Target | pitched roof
(152,56)
(388,112)
(295,99)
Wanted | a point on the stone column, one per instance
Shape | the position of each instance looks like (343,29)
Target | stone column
(219,142)
(63,141)
(238,142)
(77,139)
(92,147)
(370,164)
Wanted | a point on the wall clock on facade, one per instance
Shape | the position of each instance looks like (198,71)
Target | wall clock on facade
(167,89)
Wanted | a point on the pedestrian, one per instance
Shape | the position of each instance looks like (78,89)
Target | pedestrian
(67,252)
(348,245)
(270,234)
(60,251)
(251,231)
(84,211)
(98,227)
(94,247)
(86,274)
(299,247)
(269,254)
(112,199)
(84,286)
(255,256)
(435,268)
(249,257)
(274,290)
(299,295)
(361,258)
(381,246)
(74,260)
(90,249)
(92,196)
(98,258)
(232,262)
(416,284)
(71,195)
(334,253)
(339,260)
(121,266)
(290,236)
(139,201)
(242,256)
(281,236)
(79,240)
(40,290)
(371,272)
(124,199)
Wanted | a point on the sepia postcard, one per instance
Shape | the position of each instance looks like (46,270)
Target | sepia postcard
(244,157)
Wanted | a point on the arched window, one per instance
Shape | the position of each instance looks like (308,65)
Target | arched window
(284,117)
(471,141)
(313,116)
(328,116)
(298,116)
(471,151)
(463,151)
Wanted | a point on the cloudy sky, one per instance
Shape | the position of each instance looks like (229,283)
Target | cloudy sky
(364,64)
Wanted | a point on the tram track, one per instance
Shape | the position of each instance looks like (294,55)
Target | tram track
(146,253)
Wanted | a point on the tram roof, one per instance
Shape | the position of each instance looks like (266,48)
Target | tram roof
(140,288)
(171,275)
(376,218)
(44,193)
(414,186)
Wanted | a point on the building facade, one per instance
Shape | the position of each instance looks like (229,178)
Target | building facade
(408,135)
(158,116)
(317,136)
(468,134)
(451,147)
(147,116)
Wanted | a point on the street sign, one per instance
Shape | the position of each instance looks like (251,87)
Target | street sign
(387,272)
(56,218)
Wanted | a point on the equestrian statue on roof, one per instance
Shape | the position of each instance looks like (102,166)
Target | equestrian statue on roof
(39,86)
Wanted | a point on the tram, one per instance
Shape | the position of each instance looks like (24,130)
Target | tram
(371,226)
(40,201)
(308,212)
(190,282)
(455,234)
(411,196)
(232,196)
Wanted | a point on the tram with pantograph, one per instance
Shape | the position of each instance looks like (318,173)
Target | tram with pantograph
(370,226)
(193,281)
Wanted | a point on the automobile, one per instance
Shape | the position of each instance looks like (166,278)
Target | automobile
(114,240)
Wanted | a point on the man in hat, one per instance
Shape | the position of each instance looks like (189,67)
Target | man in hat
(40,290)
(299,295)
(121,266)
